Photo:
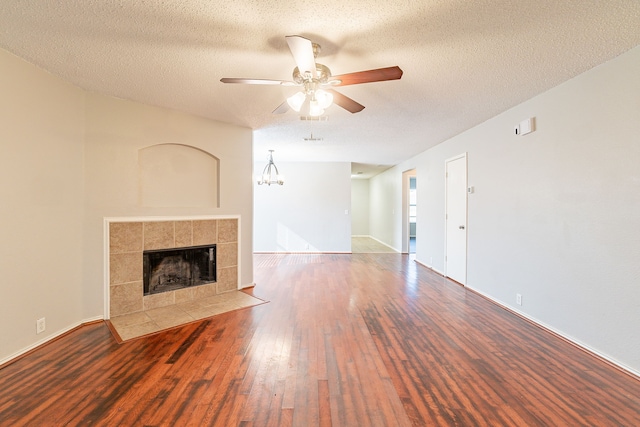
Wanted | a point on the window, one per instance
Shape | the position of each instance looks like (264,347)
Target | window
(412,200)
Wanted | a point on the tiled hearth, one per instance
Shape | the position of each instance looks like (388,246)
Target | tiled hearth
(127,241)
(142,323)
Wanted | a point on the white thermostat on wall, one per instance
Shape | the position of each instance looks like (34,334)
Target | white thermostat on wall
(526,126)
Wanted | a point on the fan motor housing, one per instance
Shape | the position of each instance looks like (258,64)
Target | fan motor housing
(323,72)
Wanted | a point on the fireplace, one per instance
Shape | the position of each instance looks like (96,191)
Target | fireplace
(178,268)
(128,240)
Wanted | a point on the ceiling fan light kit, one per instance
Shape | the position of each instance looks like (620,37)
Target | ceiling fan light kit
(316,79)
(310,103)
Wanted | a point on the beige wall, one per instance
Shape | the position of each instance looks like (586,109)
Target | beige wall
(68,159)
(359,207)
(41,203)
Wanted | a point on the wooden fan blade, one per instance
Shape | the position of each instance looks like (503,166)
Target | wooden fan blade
(345,102)
(369,76)
(282,108)
(254,81)
(302,51)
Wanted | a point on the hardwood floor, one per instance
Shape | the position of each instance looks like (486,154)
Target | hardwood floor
(346,340)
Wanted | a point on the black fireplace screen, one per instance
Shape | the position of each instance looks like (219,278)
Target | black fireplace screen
(171,269)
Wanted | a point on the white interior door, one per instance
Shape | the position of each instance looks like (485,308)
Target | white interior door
(456,219)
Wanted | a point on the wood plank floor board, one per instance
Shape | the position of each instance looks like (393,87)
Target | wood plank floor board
(288,399)
(215,395)
(345,340)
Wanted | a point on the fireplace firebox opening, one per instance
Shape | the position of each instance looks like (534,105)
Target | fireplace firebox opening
(170,269)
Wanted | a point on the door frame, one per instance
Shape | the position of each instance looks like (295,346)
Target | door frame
(466,213)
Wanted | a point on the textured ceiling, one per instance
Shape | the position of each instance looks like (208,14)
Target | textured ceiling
(463,61)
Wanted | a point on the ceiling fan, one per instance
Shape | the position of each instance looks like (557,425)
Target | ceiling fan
(316,81)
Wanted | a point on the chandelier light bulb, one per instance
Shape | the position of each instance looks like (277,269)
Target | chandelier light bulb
(315,109)
(324,98)
(296,101)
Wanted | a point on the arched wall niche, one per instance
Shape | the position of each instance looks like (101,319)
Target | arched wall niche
(178,175)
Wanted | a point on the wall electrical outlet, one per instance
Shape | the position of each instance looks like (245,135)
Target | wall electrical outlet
(518,299)
(40,325)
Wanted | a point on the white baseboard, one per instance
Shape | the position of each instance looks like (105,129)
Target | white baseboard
(383,243)
(569,338)
(429,267)
(47,339)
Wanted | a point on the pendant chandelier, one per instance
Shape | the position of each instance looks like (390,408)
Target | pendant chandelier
(270,174)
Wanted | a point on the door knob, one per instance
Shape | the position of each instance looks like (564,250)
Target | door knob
(461,227)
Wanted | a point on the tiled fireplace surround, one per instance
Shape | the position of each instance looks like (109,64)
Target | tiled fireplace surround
(128,239)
